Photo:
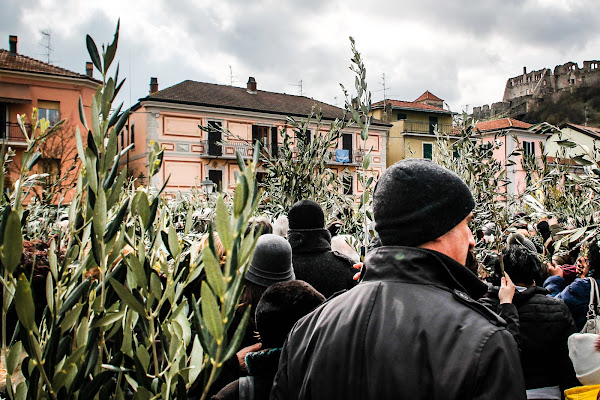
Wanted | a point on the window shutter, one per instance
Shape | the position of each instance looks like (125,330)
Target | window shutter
(274,144)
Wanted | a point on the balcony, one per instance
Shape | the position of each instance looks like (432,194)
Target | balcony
(424,127)
(356,157)
(228,149)
(11,133)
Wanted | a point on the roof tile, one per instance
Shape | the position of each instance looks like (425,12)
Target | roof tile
(502,123)
(223,96)
(23,63)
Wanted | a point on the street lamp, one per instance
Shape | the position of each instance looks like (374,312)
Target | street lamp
(207,186)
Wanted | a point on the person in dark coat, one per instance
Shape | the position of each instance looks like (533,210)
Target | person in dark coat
(545,324)
(576,295)
(279,308)
(412,328)
(314,262)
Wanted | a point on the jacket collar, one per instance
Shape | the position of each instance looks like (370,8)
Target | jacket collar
(309,240)
(263,362)
(421,266)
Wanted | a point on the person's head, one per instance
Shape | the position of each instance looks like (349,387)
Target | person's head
(281,226)
(420,204)
(520,263)
(280,306)
(306,215)
(260,226)
(272,261)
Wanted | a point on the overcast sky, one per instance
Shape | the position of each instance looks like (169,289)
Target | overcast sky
(462,50)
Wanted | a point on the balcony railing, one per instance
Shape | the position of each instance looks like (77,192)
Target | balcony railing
(355,158)
(424,127)
(227,149)
(11,132)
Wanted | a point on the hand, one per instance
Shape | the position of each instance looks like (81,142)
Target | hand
(507,290)
(554,269)
(359,267)
(241,355)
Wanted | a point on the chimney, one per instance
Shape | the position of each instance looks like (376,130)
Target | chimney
(12,41)
(251,85)
(524,70)
(89,69)
(153,85)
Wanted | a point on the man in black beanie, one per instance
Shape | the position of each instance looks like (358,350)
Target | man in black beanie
(412,328)
(313,260)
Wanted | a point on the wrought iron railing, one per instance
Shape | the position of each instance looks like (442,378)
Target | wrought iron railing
(11,131)
(425,127)
(355,157)
(227,149)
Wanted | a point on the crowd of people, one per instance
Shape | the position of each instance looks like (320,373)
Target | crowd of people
(415,319)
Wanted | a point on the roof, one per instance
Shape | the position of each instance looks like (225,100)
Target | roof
(502,123)
(428,96)
(237,98)
(588,130)
(411,105)
(23,63)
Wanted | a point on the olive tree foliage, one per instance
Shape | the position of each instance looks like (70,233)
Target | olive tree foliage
(118,318)
(303,171)
(565,186)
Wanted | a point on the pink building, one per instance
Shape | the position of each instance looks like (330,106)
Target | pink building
(26,83)
(172,117)
(511,129)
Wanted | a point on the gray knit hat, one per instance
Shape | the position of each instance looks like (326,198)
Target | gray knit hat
(416,201)
(272,261)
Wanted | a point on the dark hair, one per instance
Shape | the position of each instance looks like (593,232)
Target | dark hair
(281,306)
(262,225)
(250,297)
(594,257)
(522,265)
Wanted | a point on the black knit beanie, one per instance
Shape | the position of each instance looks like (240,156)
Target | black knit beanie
(306,214)
(416,201)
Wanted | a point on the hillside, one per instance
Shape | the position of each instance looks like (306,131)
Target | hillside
(567,106)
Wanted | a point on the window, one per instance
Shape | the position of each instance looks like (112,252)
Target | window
(433,123)
(401,116)
(49,110)
(529,149)
(214,138)
(348,182)
(347,144)
(267,136)
(216,176)
(428,150)
(305,137)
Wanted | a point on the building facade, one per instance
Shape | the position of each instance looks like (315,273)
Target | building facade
(511,134)
(26,83)
(586,137)
(173,117)
(414,125)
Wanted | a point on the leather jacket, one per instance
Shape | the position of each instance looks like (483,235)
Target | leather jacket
(411,329)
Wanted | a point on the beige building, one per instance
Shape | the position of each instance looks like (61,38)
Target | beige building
(414,125)
(587,138)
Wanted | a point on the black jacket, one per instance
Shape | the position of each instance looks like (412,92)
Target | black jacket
(262,366)
(410,330)
(314,262)
(545,324)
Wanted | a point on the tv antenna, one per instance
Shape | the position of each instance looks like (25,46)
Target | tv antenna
(299,85)
(47,35)
(382,83)
(231,77)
